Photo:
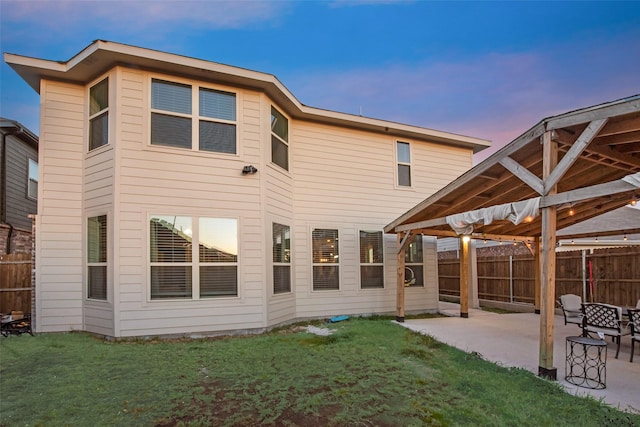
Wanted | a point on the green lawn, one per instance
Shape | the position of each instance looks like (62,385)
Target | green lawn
(370,372)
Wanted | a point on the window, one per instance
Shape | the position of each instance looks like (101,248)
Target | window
(281,258)
(279,139)
(413,261)
(217,121)
(99,115)
(171,126)
(180,272)
(403,151)
(218,247)
(97,257)
(172,115)
(326,261)
(371,260)
(32,182)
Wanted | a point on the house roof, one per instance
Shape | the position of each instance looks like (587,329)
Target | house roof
(101,56)
(12,127)
(597,147)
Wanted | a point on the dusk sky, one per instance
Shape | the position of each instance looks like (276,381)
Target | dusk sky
(485,69)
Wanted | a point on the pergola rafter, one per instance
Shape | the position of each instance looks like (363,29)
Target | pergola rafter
(580,165)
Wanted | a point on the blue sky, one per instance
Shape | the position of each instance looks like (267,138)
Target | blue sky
(485,69)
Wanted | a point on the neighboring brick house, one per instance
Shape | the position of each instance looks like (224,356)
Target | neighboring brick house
(18,186)
(183,196)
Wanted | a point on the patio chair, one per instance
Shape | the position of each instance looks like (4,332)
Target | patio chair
(571,309)
(634,324)
(605,319)
(638,304)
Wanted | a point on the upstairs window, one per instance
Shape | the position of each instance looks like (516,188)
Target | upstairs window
(326,260)
(32,181)
(371,260)
(217,121)
(172,115)
(279,139)
(403,153)
(281,258)
(413,261)
(99,114)
(97,257)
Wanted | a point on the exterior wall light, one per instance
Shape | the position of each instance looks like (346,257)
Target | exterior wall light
(249,170)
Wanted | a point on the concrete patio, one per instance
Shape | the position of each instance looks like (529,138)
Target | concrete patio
(513,340)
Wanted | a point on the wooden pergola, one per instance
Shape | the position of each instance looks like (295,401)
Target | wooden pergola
(569,167)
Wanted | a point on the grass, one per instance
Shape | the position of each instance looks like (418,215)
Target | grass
(370,372)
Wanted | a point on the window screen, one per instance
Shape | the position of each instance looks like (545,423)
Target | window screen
(371,260)
(281,258)
(326,259)
(97,257)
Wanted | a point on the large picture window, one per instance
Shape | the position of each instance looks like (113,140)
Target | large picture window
(281,258)
(371,260)
(326,260)
(279,139)
(403,152)
(178,271)
(172,117)
(97,257)
(414,263)
(99,115)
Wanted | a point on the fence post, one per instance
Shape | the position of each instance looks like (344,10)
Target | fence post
(511,278)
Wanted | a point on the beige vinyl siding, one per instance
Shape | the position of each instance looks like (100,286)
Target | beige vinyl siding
(168,181)
(59,276)
(345,179)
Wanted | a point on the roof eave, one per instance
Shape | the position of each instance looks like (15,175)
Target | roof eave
(102,55)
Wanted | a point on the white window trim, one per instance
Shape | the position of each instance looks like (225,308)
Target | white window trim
(37,180)
(322,264)
(372,229)
(87,264)
(195,262)
(111,99)
(287,143)
(398,163)
(282,264)
(195,116)
(421,264)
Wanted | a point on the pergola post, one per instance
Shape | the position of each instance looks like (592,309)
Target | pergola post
(400,279)
(537,274)
(464,276)
(548,265)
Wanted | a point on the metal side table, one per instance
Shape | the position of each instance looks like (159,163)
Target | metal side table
(586,363)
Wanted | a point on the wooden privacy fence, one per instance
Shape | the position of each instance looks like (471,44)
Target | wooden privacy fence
(609,276)
(15,283)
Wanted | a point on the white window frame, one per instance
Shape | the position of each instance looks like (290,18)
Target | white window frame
(104,264)
(195,117)
(195,262)
(326,264)
(415,264)
(370,264)
(280,139)
(32,190)
(105,110)
(404,163)
(280,263)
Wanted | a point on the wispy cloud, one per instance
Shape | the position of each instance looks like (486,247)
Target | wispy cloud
(137,17)
(496,96)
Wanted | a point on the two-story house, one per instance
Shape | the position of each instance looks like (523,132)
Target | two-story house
(181,196)
(18,185)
